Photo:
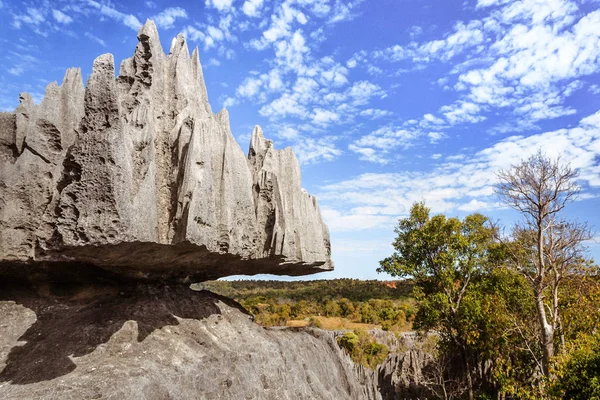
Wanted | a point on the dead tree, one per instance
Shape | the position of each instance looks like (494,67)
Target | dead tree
(547,246)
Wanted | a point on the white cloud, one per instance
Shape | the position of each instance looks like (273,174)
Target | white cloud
(215,33)
(128,20)
(274,80)
(16,70)
(377,145)
(344,10)
(375,113)
(290,53)
(369,154)
(310,151)
(252,7)
(24,62)
(61,17)
(166,18)
(362,91)
(362,245)
(320,8)
(523,58)
(341,222)
(461,112)
(462,183)
(288,133)
(213,62)
(33,17)
(212,36)
(193,34)
(435,137)
(221,5)
(229,102)
(463,37)
(594,89)
(335,75)
(286,105)
(249,88)
(415,31)
(487,3)
(281,25)
(95,39)
(432,119)
(324,117)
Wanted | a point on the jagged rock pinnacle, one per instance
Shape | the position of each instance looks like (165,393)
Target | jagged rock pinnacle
(135,177)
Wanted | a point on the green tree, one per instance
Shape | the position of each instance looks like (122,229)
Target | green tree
(332,309)
(346,307)
(363,348)
(443,255)
(578,370)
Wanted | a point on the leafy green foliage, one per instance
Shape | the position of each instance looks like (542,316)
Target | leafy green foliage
(363,349)
(578,370)
(445,257)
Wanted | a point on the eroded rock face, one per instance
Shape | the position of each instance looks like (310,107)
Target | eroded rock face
(136,176)
(161,342)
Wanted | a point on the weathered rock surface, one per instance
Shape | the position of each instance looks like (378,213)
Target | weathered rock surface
(409,371)
(136,176)
(161,342)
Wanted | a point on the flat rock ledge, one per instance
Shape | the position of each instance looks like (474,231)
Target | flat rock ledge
(136,178)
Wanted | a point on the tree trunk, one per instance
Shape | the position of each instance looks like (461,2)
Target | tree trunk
(562,335)
(556,321)
(547,329)
(547,333)
(468,375)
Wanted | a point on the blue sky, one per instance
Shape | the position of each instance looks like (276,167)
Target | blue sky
(385,102)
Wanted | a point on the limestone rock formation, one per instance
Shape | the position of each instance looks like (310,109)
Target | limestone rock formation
(161,342)
(409,371)
(134,176)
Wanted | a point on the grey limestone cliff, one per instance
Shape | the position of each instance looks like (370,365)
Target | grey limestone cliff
(135,176)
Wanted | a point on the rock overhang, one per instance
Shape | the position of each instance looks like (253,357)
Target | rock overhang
(135,176)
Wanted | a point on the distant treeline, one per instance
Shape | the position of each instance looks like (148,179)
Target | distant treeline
(389,304)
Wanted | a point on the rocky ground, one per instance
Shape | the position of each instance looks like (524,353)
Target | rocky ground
(161,342)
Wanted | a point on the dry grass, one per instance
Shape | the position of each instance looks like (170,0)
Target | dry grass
(297,323)
(333,323)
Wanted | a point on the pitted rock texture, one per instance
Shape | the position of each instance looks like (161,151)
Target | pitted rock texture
(161,342)
(137,176)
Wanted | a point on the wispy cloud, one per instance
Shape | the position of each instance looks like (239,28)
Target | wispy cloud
(166,18)
(524,58)
(61,17)
(33,16)
(128,20)
(221,5)
(95,39)
(463,183)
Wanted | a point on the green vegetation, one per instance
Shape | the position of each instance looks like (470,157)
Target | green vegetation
(519,313)
(578,370)
(515,316)
(331,304)
(363,348)
(445,256)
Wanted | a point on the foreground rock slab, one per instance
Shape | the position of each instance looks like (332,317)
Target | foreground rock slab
(137,176)
(161,342)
